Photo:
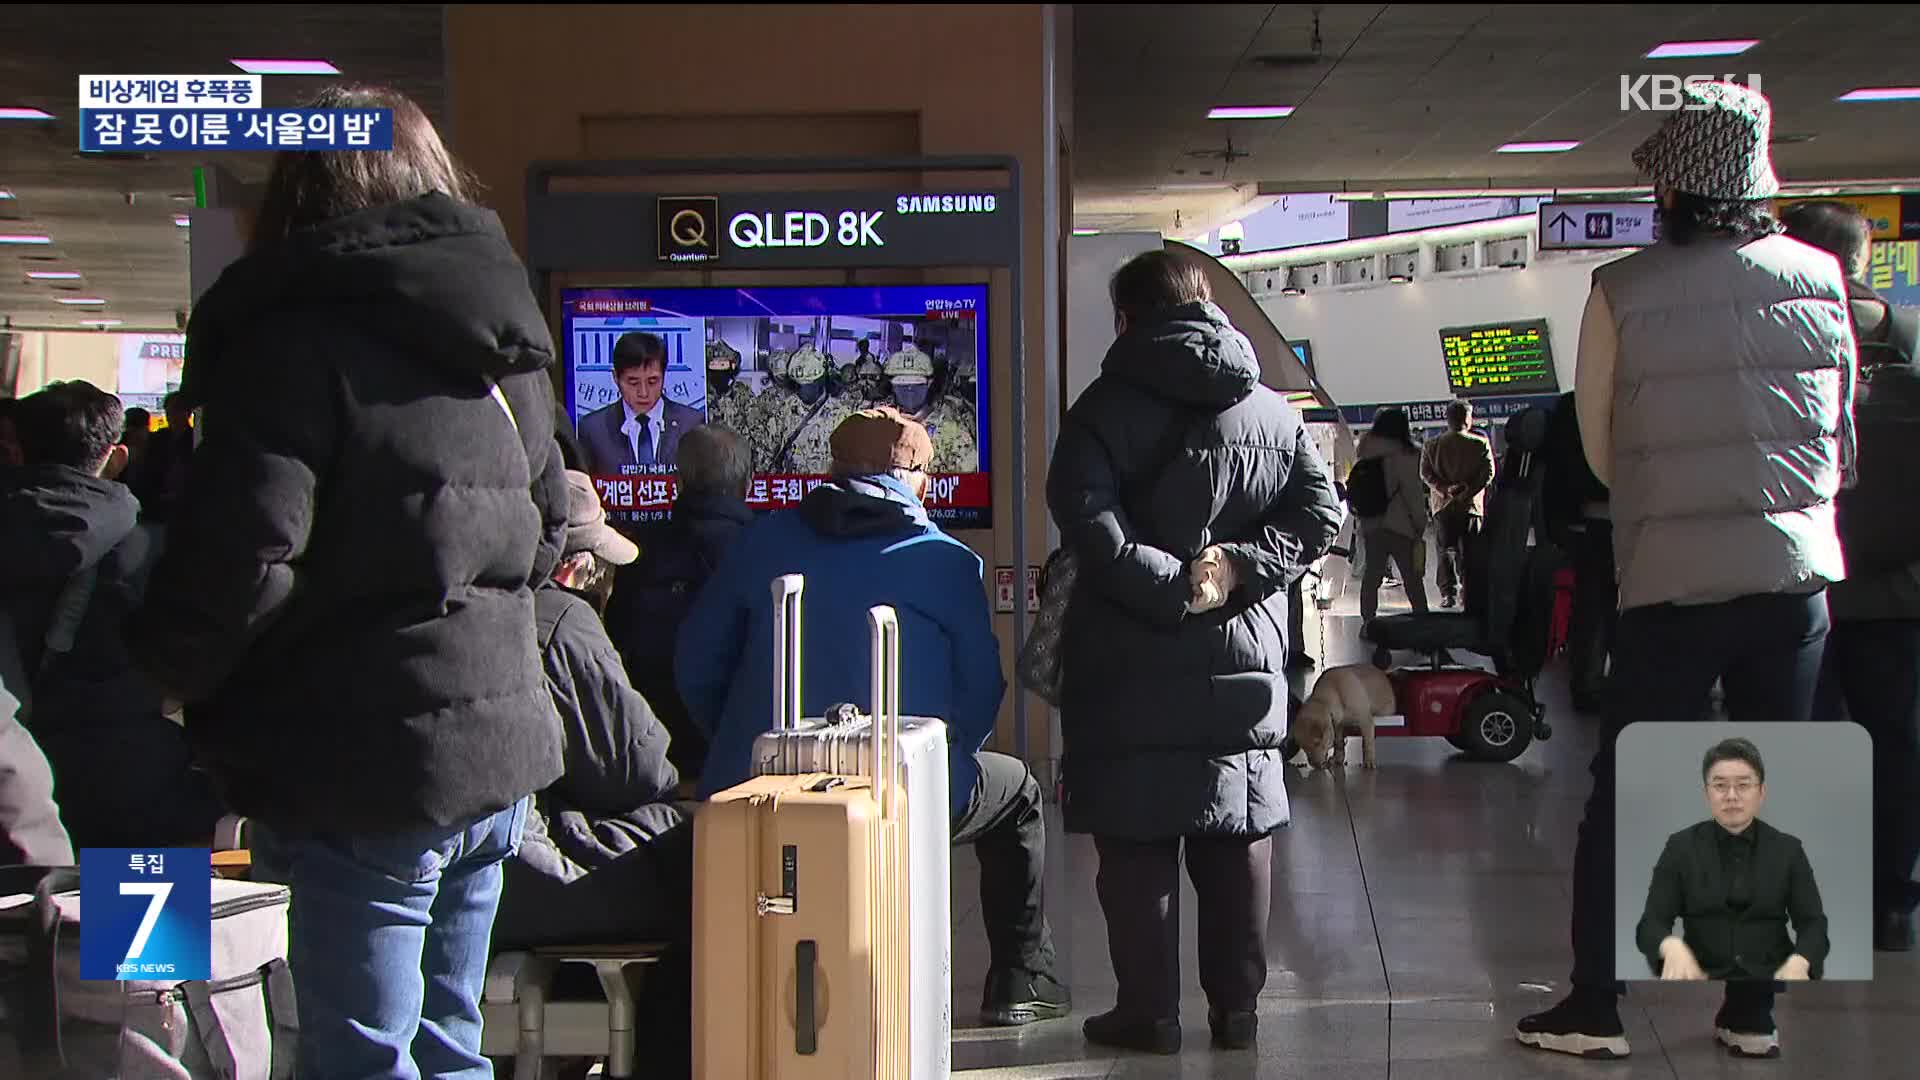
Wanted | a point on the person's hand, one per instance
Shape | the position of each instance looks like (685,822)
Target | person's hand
(1796,969)
(1213,577)
(1679,964)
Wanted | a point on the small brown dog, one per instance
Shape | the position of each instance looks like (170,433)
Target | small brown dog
(1344,702)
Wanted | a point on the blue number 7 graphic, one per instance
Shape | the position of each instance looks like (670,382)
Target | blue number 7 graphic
(157,893)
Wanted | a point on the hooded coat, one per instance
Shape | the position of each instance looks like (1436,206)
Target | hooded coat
(345,601)
(1173,722)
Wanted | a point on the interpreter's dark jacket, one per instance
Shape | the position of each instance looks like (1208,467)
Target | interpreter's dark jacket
(1691,883)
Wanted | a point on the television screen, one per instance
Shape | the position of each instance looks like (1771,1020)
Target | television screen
(781,367)
(1499,358)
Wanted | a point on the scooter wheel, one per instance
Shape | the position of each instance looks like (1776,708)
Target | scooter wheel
(1496,726)
(1542,730)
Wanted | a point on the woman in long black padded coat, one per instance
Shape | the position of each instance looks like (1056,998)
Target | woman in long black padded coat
(1192,497)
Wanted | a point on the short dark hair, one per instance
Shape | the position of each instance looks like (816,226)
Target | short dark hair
(1835,227)
(597,588)
(308,187)
(1154,281)
(1695,216)
(714,460)
(75,424)
(138,417)
(1460,414)
(1733,750)
(637,350)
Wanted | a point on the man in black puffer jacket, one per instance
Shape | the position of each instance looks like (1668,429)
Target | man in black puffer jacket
(1192,497)
(345,604)
(73,562)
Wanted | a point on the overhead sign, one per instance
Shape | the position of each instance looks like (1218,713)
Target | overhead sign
(778,230)
(1567,226)
(1500,358)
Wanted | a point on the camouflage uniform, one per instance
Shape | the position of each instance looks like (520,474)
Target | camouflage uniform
(784,413)
(949,423)
(730,408)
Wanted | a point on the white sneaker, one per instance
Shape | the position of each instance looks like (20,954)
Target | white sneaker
(1753,1044)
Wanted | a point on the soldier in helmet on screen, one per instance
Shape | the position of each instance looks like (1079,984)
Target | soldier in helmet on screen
(869,377)
(797,423)
(729,402)
(909,374)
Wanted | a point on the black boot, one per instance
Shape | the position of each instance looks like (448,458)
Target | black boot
(1015,996)
(1233,1030)
(1119,1032)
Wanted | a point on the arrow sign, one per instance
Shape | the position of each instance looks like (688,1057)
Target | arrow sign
(1571,225)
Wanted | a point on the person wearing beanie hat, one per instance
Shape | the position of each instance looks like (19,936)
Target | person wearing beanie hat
(606,855)
(1714,395)
(865,538)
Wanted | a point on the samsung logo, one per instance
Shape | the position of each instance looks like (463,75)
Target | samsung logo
(946,204)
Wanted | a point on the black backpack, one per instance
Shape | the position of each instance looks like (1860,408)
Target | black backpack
(1367,488)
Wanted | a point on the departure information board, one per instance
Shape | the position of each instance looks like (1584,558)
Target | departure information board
(1499,358)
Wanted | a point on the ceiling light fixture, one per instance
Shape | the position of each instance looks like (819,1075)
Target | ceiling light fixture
(182,220)
(1882,93)
(1086,232)
(5,194)
(1249,112)
(1551,146)
(81,301)
(286,67)
(100,322)
(1400,279)
(1293,290)
(18,239)
(53,275)
(17,113)
(1675,50)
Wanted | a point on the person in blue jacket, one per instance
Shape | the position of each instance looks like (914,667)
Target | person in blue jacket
(863,539)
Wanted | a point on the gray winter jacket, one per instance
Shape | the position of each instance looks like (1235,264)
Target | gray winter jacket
(1731,421)
(1407,510)
(1173,722)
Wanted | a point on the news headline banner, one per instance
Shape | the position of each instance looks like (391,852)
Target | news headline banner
(160,130)
(953,498)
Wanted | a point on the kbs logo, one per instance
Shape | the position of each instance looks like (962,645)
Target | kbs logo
(1661,93)
(149,913)
(689,227)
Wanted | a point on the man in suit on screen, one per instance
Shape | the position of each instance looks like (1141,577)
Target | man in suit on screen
(640,432)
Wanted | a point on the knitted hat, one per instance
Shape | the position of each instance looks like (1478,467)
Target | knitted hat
(1715,146)
(876,440)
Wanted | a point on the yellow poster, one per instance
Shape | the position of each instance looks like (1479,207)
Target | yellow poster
(1882,211)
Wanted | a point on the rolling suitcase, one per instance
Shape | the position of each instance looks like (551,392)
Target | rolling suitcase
(842,743)
(799,916)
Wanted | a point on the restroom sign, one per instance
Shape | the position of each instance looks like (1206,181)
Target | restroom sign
(1573,226)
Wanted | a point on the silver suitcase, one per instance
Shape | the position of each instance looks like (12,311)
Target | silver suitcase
(844,745)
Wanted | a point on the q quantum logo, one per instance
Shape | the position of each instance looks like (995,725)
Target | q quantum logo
(689,228)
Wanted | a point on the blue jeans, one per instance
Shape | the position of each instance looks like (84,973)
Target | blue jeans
(388,940)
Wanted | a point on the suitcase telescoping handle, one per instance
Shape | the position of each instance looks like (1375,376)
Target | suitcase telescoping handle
(884,626)
(787,590)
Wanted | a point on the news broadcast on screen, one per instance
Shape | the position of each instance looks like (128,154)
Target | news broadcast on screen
(781,367)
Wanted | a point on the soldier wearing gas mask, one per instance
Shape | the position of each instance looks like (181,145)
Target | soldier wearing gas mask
(909,374)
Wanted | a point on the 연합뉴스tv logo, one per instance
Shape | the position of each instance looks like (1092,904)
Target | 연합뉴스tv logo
(148,913)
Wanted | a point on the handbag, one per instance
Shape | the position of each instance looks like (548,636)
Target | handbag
(1038,667)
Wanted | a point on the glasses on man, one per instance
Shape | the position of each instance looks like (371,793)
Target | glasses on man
(1724,788)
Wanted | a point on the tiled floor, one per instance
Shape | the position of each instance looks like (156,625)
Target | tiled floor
(1419,911)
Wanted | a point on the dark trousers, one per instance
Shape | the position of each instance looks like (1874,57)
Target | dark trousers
(1139,888)
(1452,526)
(1596,609)
(1003,822)
(1382,545)
(1765,650)
(1872,677)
